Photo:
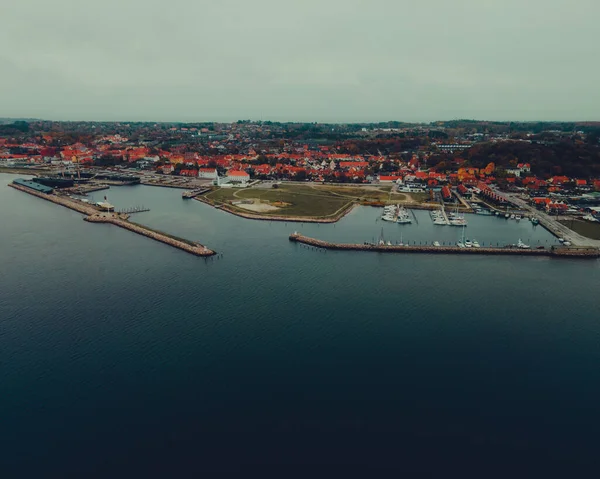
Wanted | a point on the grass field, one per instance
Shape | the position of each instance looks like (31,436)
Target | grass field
(315,201)
(365,193)
(303,200)
(584,228)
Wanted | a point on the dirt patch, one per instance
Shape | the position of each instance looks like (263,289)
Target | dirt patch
(258,207)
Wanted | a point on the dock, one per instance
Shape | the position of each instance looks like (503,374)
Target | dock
(554,251)
(94,215)
(193,193)
(179,243)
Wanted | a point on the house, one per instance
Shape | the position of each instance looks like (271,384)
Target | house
(446,193)
(389,178)
(167,169)
(210,173)
(235,176)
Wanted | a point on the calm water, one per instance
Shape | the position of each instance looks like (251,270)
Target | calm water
(122,357)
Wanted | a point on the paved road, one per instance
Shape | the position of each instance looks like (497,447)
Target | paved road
(550,223)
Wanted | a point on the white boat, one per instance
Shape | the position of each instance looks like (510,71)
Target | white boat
(518,217)
(567,243)
(561,240)
(460,244)
(535,221)
(403,220)
(468,244)
(512,217)
(507,216)
(522,245)
(436,243)
(387,218)
(459,221)
(476,244)
(440,222)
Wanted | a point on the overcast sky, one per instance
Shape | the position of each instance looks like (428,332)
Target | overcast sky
(300,60)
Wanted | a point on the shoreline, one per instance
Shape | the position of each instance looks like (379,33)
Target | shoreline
(93,215)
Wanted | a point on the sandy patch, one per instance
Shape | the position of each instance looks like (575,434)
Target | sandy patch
(258,207)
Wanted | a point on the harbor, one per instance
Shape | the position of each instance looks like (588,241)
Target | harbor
(101,214)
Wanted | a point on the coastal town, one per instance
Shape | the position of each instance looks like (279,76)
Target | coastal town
(546,173)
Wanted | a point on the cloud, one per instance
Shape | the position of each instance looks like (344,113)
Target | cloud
(322,60)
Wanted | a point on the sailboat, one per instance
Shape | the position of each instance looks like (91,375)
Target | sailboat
(461,243)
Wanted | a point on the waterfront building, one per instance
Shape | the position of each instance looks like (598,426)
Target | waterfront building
(209,173)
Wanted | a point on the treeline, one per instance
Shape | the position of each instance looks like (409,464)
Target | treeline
(16,128)
(576,159)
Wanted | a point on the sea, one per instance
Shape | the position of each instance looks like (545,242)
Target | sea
(123,357)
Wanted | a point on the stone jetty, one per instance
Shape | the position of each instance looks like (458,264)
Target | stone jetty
(114,219)
(94,215)
(554,251)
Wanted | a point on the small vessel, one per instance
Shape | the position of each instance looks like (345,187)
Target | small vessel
(387,217)
(561,240)
(518,217)
(507,216)
(436,243)
(512,217)
(458,221)
(403,216)
(476,244)
(522,245)
(468,244)
(460,244)
(186,195)
(535,221)
(567,243)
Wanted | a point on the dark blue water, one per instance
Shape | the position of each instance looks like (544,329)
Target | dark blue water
(122,357)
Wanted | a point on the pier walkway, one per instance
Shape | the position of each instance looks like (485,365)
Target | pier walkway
(94,215)
(555,251)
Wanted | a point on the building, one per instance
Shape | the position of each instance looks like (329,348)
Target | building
(238,177)
(33,186)
(209,173)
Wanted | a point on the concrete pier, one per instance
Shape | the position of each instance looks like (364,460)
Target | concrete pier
(94,215)
(554,251)
(179,243)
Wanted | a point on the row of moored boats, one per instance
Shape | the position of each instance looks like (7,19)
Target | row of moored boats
(397,214)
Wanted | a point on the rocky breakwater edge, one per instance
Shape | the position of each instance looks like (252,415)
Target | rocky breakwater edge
(555,251)
(94,215)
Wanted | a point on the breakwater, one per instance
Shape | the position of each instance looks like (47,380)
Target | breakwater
(554,251)
(78,206)
(93,215)
(179,243)
(293,219)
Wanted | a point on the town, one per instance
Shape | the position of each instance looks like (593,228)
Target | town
(317,171)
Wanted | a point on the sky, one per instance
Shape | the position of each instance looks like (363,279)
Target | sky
(300,60)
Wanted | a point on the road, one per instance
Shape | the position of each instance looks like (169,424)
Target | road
(552,224)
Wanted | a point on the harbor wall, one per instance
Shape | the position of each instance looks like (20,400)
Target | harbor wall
(553,252)
(193,248)
(94,216)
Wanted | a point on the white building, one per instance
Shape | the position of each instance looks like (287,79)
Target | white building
(209,173)
(238,177)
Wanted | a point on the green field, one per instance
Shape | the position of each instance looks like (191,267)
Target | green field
(584,228)
(316,201)
(303,200)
